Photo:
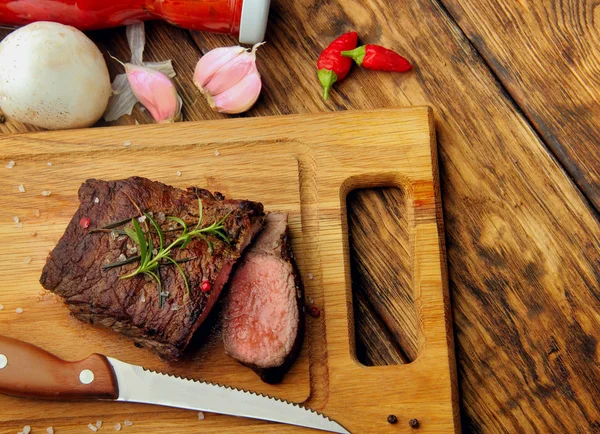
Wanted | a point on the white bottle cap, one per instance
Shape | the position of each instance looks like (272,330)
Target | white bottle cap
(253,22)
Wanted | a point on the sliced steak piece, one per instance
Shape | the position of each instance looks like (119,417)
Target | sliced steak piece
(74,269)
(263,319)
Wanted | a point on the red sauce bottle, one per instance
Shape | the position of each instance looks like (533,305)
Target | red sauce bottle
(246,19)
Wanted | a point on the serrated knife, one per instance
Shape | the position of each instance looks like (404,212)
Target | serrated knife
(30,372)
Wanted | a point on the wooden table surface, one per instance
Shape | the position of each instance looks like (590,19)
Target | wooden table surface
(514,89)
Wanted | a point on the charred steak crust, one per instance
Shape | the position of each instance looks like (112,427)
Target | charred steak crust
(74,271)
(271,243)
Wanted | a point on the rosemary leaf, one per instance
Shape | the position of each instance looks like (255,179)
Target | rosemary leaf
(121,263)
(158,230)
(200,209)
(113,225)
(108,231)
(180,221)
(141,240)
(187,285)
(132,234)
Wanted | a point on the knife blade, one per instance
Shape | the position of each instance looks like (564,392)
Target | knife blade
(28,371)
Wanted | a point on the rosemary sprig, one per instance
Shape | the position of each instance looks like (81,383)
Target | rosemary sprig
(150,261)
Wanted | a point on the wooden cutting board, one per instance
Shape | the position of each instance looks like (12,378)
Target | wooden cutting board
(304,165)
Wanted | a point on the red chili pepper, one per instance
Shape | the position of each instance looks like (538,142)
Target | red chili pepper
(332,66)
(85,222)
(378,58)
(205,286)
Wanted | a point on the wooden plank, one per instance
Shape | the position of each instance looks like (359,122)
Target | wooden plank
(522,243)
(394,147)
(545,54)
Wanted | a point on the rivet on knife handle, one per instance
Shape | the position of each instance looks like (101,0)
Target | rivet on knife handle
(30,372)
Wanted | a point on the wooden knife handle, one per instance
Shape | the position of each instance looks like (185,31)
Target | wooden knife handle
(30,372)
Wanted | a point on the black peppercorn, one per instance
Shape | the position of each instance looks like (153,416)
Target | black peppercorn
(392,419)
(414,423)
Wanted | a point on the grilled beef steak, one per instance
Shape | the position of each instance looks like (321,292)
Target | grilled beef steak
(263,320)
(132,306)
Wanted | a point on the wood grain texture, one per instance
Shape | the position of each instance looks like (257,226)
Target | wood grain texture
(379,228)
(546,55)
(307,165)
(523,245)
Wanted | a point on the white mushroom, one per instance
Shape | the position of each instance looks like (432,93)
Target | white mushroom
(52,76)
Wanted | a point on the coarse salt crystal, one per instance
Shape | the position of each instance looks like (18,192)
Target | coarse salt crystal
(96,200)
(178,173)
(122,257)
(114,235)
(128,423)
(142,219)
(48,164)
(200,415)
(127,143)
(117,427)
(136,122)
(1,306)
(154,252)
(46,193)
(36,213)
(10,164)
(50,430)
(19,310)
(27,259)
(175,307)
(92,427)
(310,276)
(21,188)
(26,429)
(98,424)
(217,153)
(143,298)
(16,219)
(20,225)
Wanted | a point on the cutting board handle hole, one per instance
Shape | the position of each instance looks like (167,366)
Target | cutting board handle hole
(380,223)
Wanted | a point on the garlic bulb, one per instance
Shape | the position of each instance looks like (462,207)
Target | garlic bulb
(229,79)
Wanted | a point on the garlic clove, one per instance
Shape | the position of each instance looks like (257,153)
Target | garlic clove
(231,73)
(212,61)
(240,97)
(155,91)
